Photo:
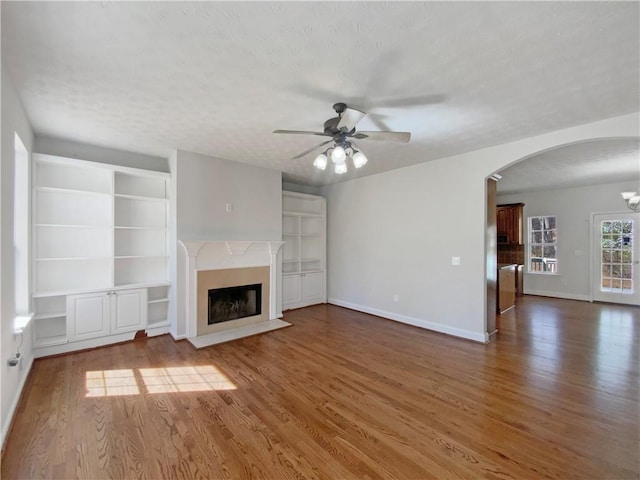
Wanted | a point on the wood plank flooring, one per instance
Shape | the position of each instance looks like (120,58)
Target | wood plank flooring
(344,395)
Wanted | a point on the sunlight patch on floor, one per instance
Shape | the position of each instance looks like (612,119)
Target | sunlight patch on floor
(110,383)
(184,379)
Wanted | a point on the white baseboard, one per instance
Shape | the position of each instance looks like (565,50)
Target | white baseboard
(159,330)
(177,337)
(567,296)
(14,403)
(417,322)
(69,347)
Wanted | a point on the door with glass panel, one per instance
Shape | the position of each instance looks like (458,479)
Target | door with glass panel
(616,251)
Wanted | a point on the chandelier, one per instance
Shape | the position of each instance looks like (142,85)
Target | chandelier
(632,199)
(339,153)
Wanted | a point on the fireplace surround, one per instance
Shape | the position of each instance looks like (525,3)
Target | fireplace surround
(213,279)
(205,265)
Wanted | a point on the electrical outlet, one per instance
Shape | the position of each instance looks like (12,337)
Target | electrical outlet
(229,207)
(455,261)
(396,298)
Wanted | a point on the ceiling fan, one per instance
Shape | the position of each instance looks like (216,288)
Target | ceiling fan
(342,130)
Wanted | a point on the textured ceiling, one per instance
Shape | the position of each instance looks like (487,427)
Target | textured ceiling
(586,163)
(218,77)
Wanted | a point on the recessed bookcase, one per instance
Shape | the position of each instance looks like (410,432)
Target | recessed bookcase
(304,251)
(96,227)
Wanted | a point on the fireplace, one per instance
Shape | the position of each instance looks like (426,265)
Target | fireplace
(210,265)
(232,303)
(230,294)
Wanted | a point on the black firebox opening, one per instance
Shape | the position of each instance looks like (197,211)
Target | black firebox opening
(231,303)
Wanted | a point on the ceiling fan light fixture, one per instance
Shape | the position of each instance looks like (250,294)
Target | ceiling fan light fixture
(320,162)
(632,199)
(341,168)
(338,155)
(359,159)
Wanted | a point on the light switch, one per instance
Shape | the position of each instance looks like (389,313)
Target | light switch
(229,207)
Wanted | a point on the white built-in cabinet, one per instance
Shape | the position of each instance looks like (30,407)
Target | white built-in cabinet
(100,243)
(304,250)
(92,315)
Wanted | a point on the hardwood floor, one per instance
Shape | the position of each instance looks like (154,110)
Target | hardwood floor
(341,395)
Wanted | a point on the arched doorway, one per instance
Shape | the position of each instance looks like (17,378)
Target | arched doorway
(562,171)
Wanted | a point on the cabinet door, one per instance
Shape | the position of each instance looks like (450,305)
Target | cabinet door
(512,225)
(129,310)
(88,315)
(291,290)
(313,287)
(501,221)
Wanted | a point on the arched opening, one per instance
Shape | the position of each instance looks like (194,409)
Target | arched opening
(570,182)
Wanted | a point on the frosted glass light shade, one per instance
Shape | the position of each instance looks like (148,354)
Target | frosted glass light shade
(632,199)
(338,155)
(341,168)
(320,162)
(359,159)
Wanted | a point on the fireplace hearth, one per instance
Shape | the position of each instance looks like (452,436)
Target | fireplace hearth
(232,303)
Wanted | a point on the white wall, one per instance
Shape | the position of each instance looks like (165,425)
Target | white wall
(14,120)
(395,233)
(203,186)
(573,208)
(66,148)
(296,187)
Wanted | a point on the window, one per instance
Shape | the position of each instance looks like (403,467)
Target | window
(543,247)
(21,227)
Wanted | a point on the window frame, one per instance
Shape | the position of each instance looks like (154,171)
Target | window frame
(530,244)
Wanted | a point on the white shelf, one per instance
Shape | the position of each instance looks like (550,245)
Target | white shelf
(302,214)
(42,316)
(77,177)
(130,212)
(139,256)
(60,225)
(300,272)
(161,323)
(120,227)
(140,186)
(57,207)
(304,251)
(64,293)
(49,341)
(73,191)
(159,300)
(97,228)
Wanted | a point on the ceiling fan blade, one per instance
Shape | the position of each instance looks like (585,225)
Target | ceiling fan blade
(392,136)
(349,118)
(311,149)
(410,101)
(301,132)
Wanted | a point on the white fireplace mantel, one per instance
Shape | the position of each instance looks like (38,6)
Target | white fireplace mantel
(216,255)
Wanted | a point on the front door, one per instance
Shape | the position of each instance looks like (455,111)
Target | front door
(616,252)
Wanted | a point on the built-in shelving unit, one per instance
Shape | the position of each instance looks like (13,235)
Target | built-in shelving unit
(304,251)
(97,227)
